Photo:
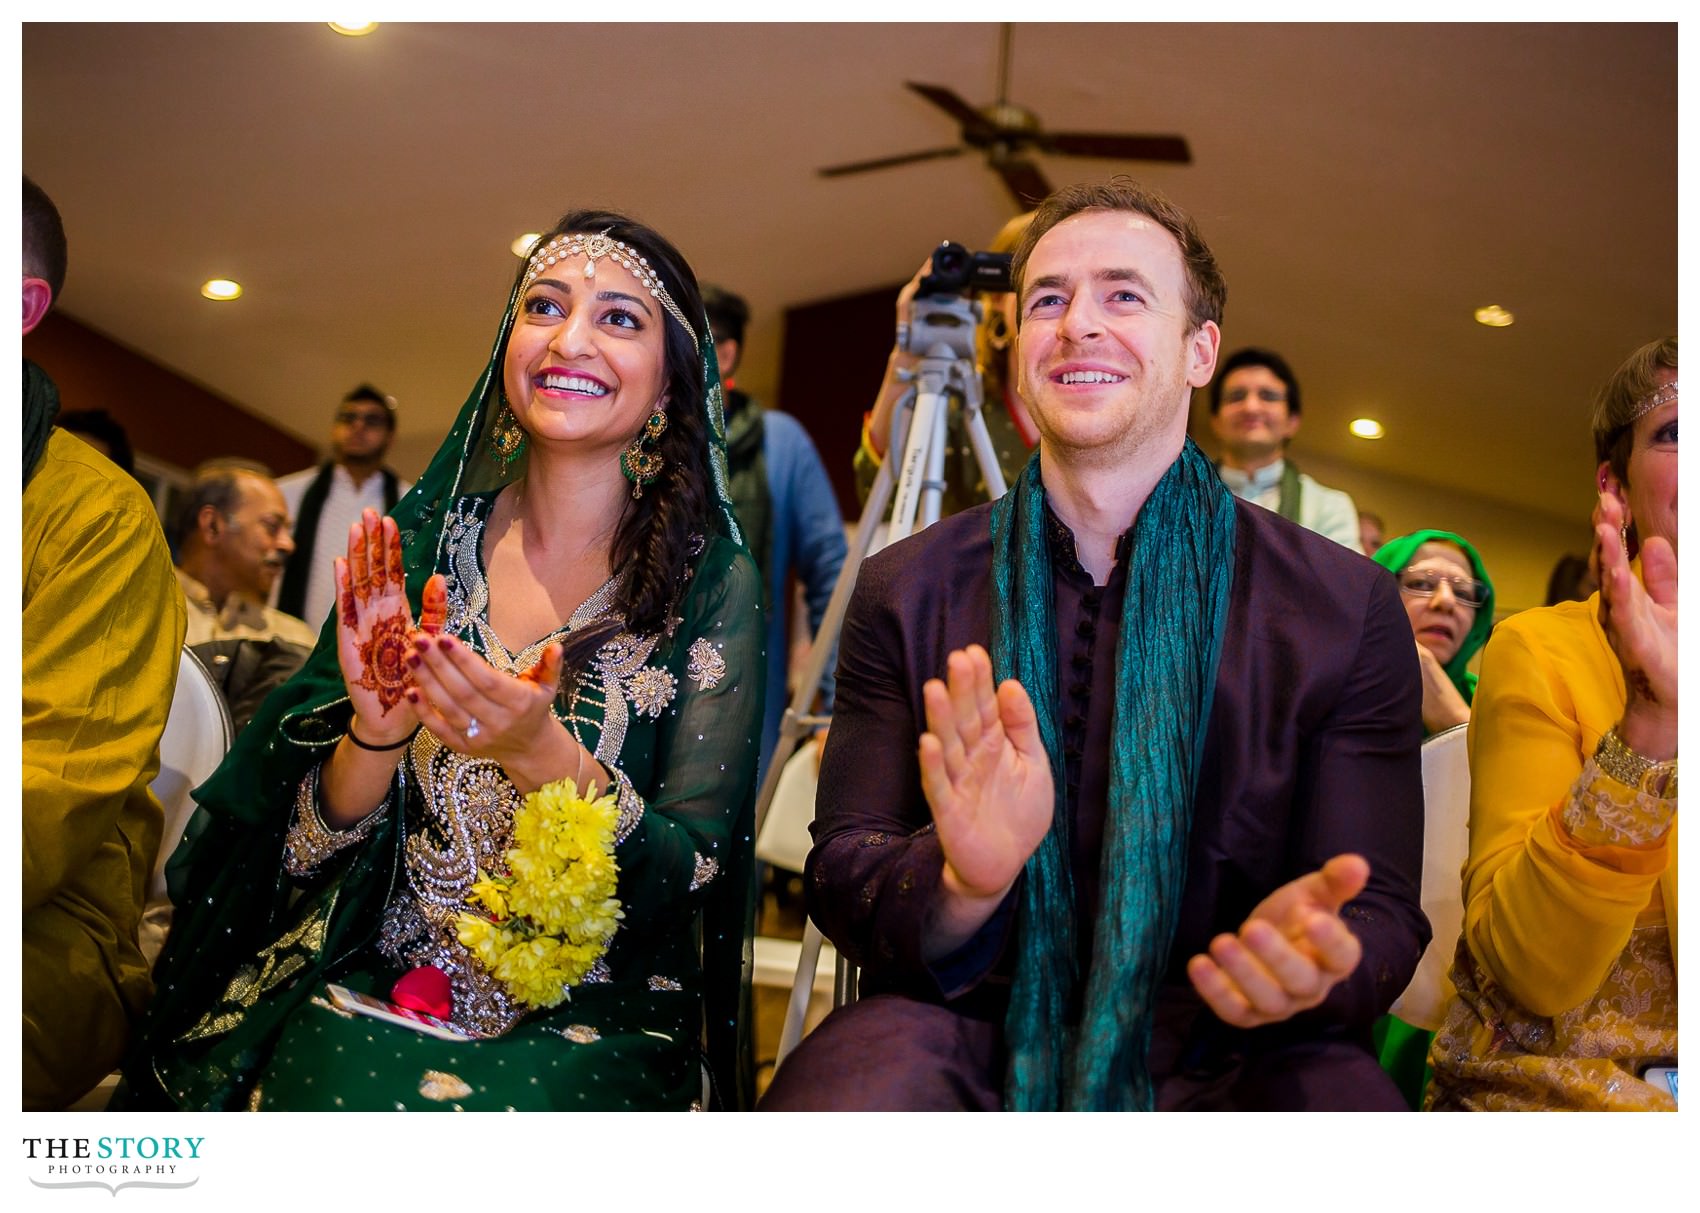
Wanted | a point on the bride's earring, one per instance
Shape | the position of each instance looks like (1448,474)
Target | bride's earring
(507,436)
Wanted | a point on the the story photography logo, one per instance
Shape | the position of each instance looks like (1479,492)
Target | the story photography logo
(114,1162)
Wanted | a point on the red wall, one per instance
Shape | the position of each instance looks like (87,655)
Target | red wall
(165,415)
(830,371)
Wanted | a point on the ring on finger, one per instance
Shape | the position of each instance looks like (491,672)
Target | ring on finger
(471,729)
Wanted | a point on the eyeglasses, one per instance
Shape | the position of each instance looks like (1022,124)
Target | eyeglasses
(371,421)
(1269,395)
(1466,590)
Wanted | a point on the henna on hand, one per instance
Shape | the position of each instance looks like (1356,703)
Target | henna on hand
(360,572)
(1640,686)
(538,673)
(346,597)
(433,605)
(392,545)
(381,668)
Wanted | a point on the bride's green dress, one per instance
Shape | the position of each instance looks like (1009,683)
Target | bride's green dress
(272,905)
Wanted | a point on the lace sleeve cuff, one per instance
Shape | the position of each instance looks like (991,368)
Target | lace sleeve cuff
(1602,811)
(310,841)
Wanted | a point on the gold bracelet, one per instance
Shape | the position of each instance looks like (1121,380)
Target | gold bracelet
(1632,770)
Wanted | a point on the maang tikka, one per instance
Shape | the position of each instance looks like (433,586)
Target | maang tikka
(593,246)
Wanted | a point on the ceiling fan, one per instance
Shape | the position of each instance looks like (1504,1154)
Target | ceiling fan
(1008,134)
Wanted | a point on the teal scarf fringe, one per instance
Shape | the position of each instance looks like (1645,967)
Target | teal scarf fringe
(1079,1044)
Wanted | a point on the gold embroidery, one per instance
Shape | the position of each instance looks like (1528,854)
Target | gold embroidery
(707,666)
(277,963)
(310,841)
(703,870)
(441,1086)
(1604,812)
(1492,1055)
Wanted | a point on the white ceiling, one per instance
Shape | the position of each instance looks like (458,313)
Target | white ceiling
(1365,188)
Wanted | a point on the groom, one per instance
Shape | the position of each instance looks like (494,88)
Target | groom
(1122,803)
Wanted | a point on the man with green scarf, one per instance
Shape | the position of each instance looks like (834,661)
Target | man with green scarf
(1254,412)
(102,625)
(1122,804)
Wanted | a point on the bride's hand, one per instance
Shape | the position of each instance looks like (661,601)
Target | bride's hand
(480,711)
(374,627)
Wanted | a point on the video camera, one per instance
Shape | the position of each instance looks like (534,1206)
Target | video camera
(956,271)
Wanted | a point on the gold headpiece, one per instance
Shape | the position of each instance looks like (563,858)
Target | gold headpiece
(592,246)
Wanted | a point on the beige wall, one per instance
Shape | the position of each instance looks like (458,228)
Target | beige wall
(1519,547)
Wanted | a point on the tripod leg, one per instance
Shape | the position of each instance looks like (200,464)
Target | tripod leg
(791,727)
(974,421)
(929,405)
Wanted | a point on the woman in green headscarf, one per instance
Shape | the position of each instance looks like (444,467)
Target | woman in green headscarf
(1449,600)
(1448,596)
(588,622)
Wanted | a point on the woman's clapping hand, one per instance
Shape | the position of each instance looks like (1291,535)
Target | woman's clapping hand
(1639,619)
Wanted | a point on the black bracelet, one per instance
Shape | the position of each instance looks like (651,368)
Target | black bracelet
(379,749)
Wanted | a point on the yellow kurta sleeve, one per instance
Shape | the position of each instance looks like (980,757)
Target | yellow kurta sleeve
(1547,912)
(102,625)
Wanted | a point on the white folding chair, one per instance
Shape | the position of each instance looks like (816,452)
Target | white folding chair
(813,967)
(1446,846)
(197,736)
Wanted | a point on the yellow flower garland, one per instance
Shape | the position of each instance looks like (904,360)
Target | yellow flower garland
(553,914)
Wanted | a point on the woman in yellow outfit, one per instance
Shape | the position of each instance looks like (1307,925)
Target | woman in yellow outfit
(1566,972)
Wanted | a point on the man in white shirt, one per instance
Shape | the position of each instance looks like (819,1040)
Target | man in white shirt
(1254,413)
(325,501)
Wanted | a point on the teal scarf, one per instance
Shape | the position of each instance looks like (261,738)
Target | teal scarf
(41,406)
(1079,1042)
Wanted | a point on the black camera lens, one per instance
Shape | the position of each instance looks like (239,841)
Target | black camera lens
(950,262)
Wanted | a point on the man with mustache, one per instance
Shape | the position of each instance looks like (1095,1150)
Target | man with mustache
(232,542)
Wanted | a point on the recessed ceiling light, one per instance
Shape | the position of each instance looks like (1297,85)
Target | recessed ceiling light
(1366,427)
(522,244)
(353,29)
(222,289)
(1494,316)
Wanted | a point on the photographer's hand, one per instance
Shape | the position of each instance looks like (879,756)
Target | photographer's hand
(894,384)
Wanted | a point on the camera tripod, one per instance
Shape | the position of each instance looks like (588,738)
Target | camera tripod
(942,331)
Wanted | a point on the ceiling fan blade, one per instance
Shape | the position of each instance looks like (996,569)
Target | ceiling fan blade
(1024,181)
(1170,148)
(970,118)
(862,166)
